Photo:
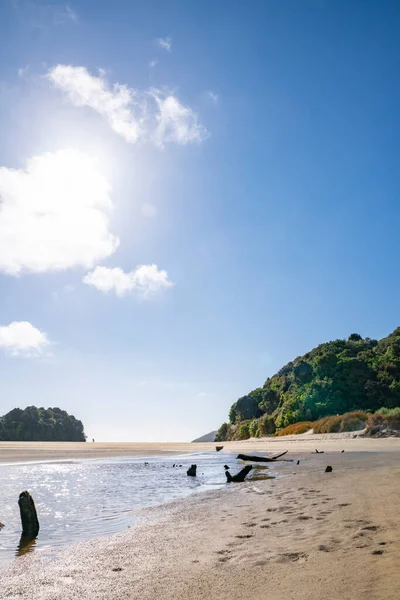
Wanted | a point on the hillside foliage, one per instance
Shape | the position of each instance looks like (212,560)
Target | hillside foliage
(40,425)
(357,374)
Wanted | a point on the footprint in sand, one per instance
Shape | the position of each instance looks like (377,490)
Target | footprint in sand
(244,537)
(292,557)
(260,563)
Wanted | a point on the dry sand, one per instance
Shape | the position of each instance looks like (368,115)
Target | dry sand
(304,536)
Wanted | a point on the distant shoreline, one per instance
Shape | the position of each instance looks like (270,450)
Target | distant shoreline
(22,452)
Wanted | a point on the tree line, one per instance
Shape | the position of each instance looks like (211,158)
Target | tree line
(334,378)
(34,424)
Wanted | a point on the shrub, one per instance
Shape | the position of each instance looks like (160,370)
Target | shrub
(328,425)
(386,418)
(243,432)
(222,433)
(352,421)
(266,425)
(253,428)
(390,412)
(296,428)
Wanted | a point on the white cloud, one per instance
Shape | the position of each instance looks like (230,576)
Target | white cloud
(153,63)
(165,43)
(20,338)
(22,71)
(213,97)
(149,211)
(43,14)
(176,123)
(149,115)
(145,280)
(53,214)
(69,14)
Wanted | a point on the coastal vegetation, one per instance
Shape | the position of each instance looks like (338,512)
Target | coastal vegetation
(334,387)
(34,424)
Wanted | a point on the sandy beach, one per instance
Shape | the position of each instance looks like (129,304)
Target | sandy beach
(304,535)
(40,451)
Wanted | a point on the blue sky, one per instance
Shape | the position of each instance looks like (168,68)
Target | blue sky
(192,194)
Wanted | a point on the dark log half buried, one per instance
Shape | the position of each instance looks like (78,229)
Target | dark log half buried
(239,477)
(260,458)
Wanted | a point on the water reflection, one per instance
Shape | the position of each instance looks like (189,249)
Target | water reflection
(26,544)
(85,499)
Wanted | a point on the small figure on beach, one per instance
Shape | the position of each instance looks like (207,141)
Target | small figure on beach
(93,440)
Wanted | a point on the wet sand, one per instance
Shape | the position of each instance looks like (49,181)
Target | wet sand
(306,535)
(40,451)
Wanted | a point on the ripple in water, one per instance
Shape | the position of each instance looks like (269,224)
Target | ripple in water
(85,499)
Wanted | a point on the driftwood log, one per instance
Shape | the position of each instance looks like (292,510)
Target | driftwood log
(29,520)
(192,471)
(218,448)
(239,477)
(260,458)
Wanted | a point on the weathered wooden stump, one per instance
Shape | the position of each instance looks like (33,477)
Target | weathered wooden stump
(328,469)
(260,458)
(239,477)
(29,520)
(192,471)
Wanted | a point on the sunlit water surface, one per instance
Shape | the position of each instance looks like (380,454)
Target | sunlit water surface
(80,500)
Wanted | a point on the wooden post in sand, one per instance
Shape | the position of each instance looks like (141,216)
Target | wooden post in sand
(29,520)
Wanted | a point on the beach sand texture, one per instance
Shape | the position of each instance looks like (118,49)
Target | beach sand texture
(306,535)
(40,451)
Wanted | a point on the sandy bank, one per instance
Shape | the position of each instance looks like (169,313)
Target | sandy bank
(38,451)
(304,536)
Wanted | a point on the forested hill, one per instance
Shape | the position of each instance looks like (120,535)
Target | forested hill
(334,378)
(40,425)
